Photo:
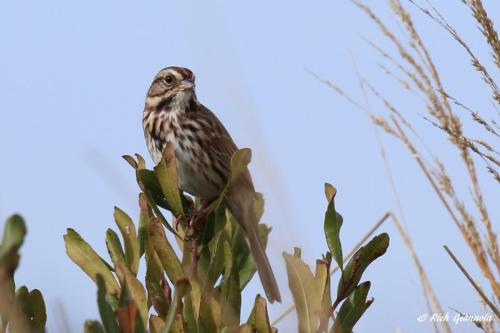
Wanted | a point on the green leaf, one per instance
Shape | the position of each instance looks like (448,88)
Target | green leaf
(228,260)
(127,229)
(156,324)
(352,309)
(239,162)
(143,222)
(210,314)
(154,278)
(107,314)
(32,306)
(22,295)
(140,326)
(231,294)
(259,318)
(190,313)
(181,288)
(304,292)
(141,163)
(245,328)
(37,316)
(92,326)
(149,184)
(210,270)
(136,289)
(114,247)
(332,225)
(166,172)
(87,259)
(194,295)
(359,262)
(161,217)
(131,161)
(13,235)
(166,253)
(322,290)
(259,205)
(127,316)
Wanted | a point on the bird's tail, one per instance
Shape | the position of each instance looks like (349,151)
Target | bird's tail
(248,222)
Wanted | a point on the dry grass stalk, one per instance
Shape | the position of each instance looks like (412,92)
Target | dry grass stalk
(423,73)
(477,323)
(474,283)
(486,27)
(432,302)
(437,17)
(431,299)
(472,145)
(475,116)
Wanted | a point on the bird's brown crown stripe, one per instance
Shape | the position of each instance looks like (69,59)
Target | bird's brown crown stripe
(186,73)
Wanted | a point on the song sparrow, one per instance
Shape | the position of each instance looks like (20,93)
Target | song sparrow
(203,150)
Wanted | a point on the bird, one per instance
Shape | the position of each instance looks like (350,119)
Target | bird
(203,150)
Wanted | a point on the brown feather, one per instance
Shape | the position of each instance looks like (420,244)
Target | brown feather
(203,149)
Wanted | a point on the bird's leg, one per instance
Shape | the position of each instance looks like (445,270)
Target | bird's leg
(200,214)
(197,218)
(176,222)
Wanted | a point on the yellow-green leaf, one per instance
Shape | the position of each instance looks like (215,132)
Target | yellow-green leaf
(13,235)
(259,318)
(166,172)
(230,290)
(210,314)
(322,290)
(359,262)
(126,316)
(143,222)
(154,277)
(114,247)
(302,285)
(130,160)
(88,260)
(156,324)
(137,291)
(148,182)
(173,322)
(166,253)
(36,310)
(353,271)
(239,162)
(92,326)
(127,229)
(107,314)
(352,309)
(332,225)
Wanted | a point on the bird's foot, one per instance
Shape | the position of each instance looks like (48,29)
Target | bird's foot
(198,217)
(176,222)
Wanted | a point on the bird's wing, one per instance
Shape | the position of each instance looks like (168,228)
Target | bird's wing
(222,147)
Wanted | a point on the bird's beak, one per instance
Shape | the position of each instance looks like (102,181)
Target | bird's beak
(186,85)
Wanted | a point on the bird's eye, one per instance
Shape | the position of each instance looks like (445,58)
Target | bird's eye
(168,79)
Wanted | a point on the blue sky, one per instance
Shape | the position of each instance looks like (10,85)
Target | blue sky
(74,79)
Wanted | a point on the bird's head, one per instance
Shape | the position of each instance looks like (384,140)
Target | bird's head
(174,85)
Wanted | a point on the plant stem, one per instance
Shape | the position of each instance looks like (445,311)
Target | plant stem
(471,280)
